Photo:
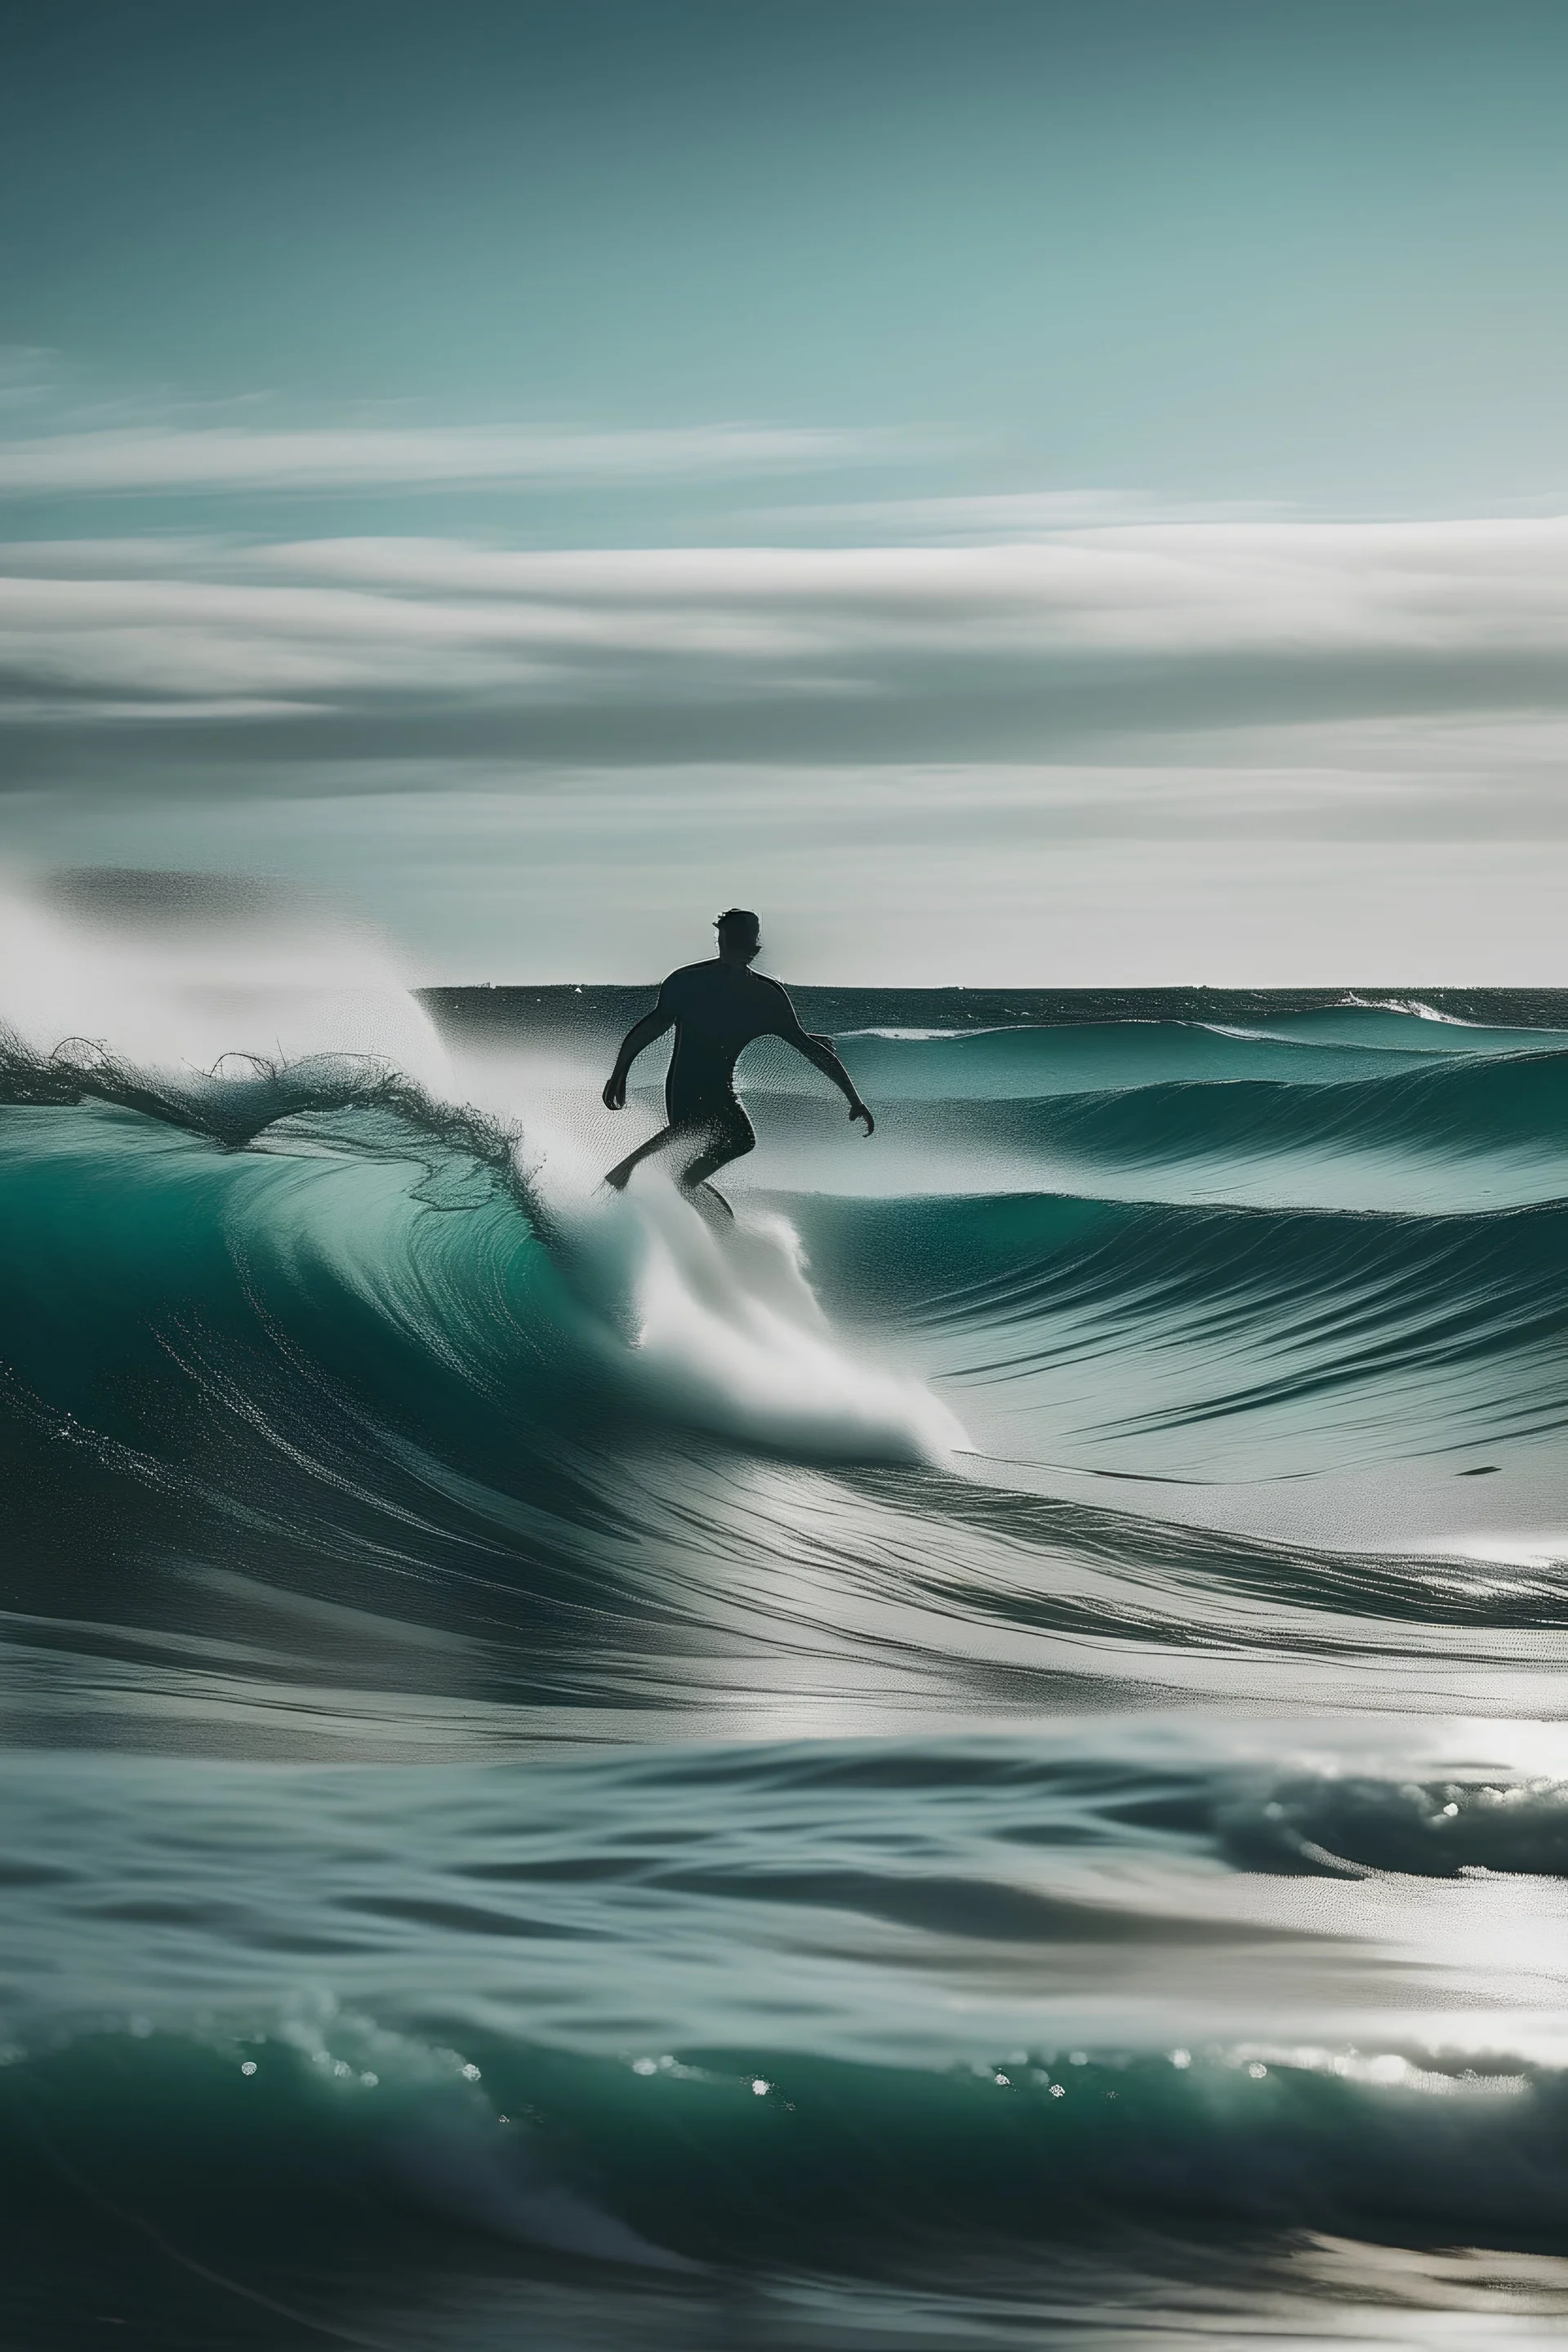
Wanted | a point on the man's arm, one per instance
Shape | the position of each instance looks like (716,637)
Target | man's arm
(819,1051)
(652,1024)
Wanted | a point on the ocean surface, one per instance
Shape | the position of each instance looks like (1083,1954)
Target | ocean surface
(979,1763)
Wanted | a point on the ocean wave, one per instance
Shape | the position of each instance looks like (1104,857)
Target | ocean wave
(990,1064)
(243,2140)
(1478,1137)
(1099,1056)
(635,1294)
(1477,1107)
(1414,1006)
(359,1394)
(1432,1828)
(316,1347)
(1351,1336)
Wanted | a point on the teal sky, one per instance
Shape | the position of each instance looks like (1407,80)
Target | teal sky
(1073,339)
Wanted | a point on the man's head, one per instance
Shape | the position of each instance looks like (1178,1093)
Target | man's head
(739,935)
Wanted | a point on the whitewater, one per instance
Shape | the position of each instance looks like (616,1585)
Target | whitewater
(979,1763)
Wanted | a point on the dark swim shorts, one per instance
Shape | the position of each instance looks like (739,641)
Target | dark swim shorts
(713,1121)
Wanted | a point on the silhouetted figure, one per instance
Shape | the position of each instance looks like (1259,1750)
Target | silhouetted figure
(715,1009)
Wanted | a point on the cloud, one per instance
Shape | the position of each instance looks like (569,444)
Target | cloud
(1184,589)
(1124,629)
(158,458)
(1011,514)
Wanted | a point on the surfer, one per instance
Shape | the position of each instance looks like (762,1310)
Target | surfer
(715,1010)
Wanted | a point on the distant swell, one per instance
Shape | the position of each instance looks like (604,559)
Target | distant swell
(1159,1316)
(1513,1103)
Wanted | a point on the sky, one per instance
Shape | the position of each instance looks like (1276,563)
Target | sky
(1062,493)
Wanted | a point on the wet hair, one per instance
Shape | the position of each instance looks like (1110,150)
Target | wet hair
(740,924)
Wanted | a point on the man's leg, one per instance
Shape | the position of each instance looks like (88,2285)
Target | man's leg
(728,1139)
(687,1135)
(619,1175)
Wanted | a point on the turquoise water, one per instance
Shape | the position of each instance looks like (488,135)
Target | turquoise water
(980,1764)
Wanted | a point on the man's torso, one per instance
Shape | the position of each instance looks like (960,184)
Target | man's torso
(719,1008)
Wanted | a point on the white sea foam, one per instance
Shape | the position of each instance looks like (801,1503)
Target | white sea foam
(1412,1005)
(930,1036)
(200,972)
(721,1328)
